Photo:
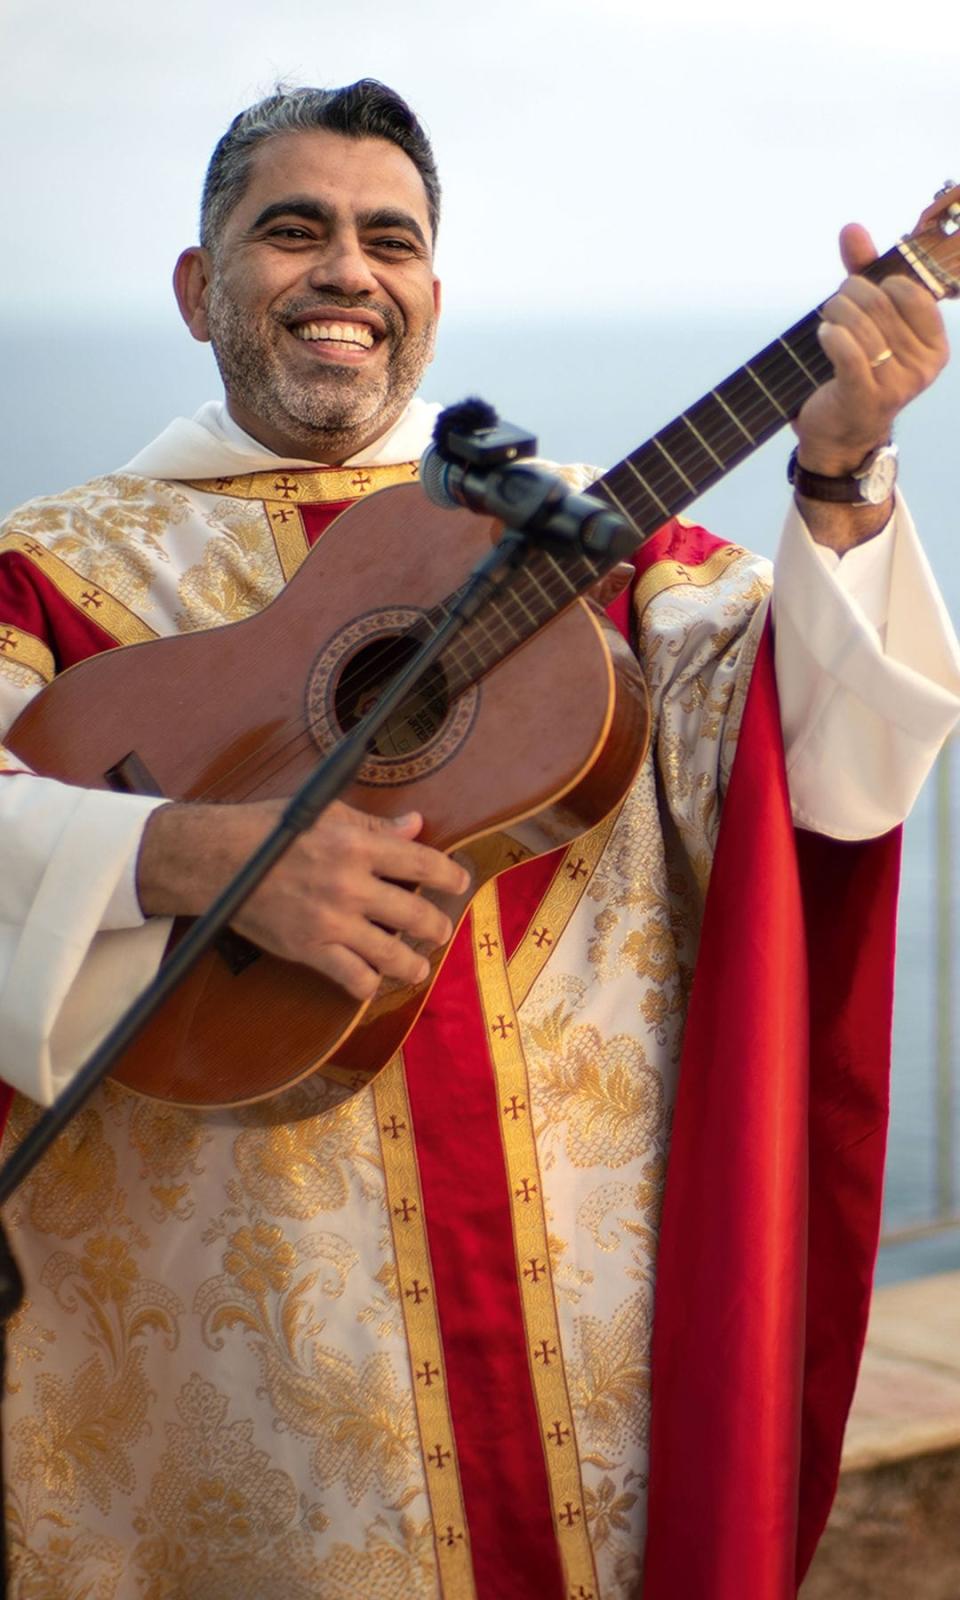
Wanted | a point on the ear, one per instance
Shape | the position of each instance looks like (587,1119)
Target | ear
(191,285)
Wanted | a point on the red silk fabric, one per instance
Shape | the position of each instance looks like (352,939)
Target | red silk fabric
(772,1207)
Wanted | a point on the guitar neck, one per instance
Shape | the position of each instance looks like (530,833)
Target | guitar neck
(700,446)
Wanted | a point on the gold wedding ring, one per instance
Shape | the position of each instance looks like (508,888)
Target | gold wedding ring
(881,358)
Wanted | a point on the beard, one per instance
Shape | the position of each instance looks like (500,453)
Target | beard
(333,410)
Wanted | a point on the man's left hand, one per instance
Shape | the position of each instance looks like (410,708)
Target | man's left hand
(854,412)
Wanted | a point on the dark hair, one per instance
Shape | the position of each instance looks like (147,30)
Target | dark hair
(364,110)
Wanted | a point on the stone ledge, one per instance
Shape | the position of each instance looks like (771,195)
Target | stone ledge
(908,1396)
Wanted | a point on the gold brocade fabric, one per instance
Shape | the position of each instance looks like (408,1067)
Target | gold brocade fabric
(216,1385)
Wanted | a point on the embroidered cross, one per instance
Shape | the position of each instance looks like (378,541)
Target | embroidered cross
(577,869)
(404,1210)
(516,856)
(428,1374)
(8,640)
(451,1538)
(361,481)
(526,1192)
(544,1351)
(34,549)
(282,514)
(93,599)
(224,483)
(581,1593)
(541,936)
(438,1457)
(416,1292)
(515,1107)
(393,1127)
(569,1515)
(502,1027)
(559,1435)
(488,945)
(535,1271)
(286,488)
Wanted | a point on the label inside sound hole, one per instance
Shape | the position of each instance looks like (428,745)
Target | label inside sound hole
(348,678)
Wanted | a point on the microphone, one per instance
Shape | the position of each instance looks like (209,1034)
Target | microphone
(476,461)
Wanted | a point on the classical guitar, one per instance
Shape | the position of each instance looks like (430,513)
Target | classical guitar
(527,734)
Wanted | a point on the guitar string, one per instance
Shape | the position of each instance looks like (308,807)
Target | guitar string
(686,452)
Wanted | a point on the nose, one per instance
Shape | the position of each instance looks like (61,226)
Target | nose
(343,266)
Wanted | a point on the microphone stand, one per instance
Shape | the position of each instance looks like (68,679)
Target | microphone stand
(529,506)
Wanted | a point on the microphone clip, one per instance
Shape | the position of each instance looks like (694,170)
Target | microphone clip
(494,444)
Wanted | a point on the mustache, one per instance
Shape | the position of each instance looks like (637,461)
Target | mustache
(330,301)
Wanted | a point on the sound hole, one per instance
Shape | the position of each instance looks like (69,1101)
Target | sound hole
(416,721)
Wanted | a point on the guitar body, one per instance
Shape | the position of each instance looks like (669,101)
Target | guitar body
(535,753)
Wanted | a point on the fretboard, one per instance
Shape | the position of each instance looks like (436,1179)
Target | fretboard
(660,479)
(703,443)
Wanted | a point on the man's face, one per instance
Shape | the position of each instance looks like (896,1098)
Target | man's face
(319,299)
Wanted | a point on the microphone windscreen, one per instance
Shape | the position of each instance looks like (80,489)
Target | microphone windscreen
(468,416)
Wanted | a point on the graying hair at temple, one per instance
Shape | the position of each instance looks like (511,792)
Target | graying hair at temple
(363,110)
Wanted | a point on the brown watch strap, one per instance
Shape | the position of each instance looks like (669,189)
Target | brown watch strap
(817,486)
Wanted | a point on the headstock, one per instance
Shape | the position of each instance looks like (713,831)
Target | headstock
(933,248)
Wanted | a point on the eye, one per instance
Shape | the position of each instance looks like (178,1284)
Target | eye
(289,233)
(392,246)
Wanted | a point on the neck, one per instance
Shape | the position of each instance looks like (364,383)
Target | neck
(327,448)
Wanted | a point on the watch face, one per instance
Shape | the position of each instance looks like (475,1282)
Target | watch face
(877,483)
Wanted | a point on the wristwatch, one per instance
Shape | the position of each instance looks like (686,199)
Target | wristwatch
(869,485)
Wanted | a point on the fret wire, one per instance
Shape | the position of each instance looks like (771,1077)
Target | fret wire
(646,486)
(732,414)
(798,360)
(685,417)
(669,457)
(788,387)
(635,517)
(555,564)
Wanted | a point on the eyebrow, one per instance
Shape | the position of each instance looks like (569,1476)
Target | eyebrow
(315,211)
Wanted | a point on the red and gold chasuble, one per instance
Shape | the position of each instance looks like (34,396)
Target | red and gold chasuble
(770,1212)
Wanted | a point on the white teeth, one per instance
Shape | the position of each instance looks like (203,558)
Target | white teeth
(335,332)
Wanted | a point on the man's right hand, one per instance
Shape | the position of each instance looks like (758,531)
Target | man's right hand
(333,902)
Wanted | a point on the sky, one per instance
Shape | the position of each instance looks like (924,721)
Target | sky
(598,159)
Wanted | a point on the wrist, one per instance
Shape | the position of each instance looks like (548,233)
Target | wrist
(869,484)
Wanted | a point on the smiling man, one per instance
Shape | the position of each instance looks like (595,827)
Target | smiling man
(395,1340)
(317,291)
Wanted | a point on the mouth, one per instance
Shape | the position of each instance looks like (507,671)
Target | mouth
(336,336)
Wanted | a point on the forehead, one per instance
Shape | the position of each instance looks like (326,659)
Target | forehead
(351,175)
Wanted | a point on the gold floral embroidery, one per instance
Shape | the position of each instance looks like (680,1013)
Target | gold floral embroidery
(606,1510)
(110,530)
(74,1187)
(222,1523)
(238,574)
(361,1421)
(78,1443)
(388,1568)
(610,1378)
(68,1566)
(169,1141)
(602,1091)
(301,1152)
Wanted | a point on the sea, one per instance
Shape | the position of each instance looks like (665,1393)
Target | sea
(82,392)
